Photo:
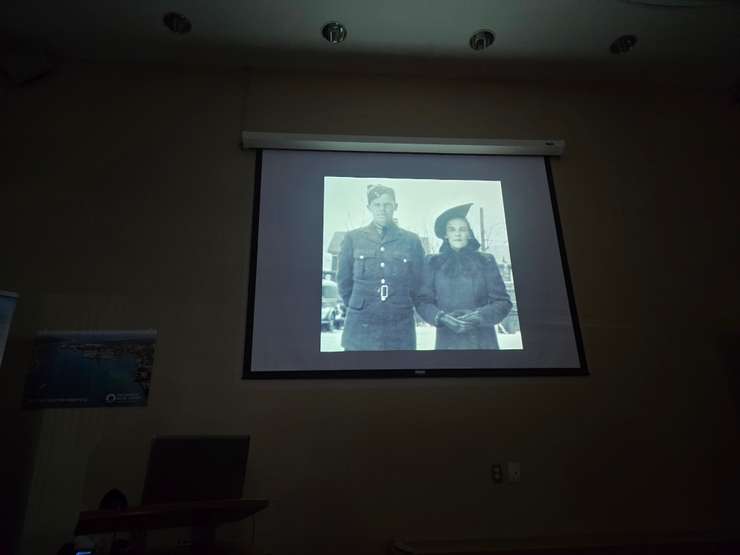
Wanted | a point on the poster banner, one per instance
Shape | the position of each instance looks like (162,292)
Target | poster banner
(7,307)
(90,369)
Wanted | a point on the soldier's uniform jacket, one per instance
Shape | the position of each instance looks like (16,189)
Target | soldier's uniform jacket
(378,279)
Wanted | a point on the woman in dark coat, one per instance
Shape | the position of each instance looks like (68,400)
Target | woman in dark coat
(462,292)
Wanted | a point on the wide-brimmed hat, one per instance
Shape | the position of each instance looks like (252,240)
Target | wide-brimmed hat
(440,224)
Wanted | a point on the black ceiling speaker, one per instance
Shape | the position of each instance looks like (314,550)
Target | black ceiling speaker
(177,23)
(482,39)
(334,32)
(623,44)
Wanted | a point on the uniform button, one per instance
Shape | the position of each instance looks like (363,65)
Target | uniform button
(382,249)
(404,261)
(382,281)
(382,264)
(362,256)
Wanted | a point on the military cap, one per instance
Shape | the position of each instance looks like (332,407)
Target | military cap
(375,191)
(440,224)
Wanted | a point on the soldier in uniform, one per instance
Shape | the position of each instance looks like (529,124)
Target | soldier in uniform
(378,276)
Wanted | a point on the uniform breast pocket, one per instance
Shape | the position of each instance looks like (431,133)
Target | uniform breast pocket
(363,262)
(400,264)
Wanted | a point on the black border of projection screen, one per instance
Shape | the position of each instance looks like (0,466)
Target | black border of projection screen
(310,206)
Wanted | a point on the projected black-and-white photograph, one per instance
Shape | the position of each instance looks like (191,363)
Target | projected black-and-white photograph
(416,265)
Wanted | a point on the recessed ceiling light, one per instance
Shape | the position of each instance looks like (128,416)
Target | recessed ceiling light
(334,32)
(177,23)
(623,44)
(482,39)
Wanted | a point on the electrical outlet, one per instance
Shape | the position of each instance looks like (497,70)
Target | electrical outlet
(514,472)
(497,473)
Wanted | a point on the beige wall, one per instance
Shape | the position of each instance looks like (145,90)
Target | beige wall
(126,203)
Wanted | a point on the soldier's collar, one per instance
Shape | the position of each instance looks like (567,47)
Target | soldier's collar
(391,233)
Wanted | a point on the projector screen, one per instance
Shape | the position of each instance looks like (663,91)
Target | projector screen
(431,265)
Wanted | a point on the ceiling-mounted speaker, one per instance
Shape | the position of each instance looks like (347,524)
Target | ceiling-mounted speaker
(482,40)
(334,32)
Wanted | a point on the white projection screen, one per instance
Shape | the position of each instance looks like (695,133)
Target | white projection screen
(418,264)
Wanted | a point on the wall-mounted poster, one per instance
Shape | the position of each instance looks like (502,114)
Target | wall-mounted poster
(7,307)
(90,369)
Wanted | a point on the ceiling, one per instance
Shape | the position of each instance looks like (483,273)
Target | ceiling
(534,38)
